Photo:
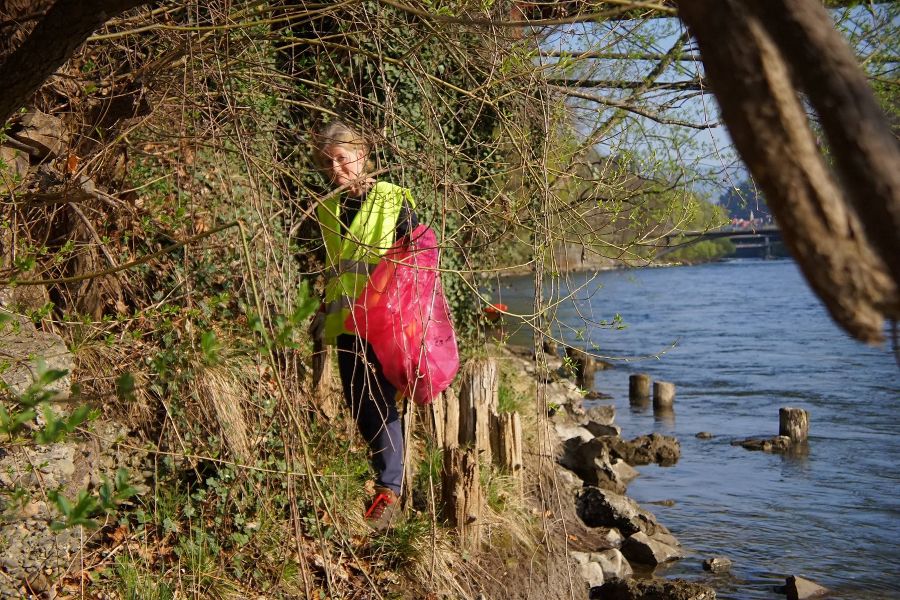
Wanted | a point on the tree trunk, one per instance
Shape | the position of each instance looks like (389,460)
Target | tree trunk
(51,43)
(770,130)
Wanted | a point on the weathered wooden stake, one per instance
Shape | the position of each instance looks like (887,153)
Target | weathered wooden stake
(478,398)
(550,347)
(639,388)
(506,442)
(450,437)
(585,367)
(794,423)
(663,394)
(461,493)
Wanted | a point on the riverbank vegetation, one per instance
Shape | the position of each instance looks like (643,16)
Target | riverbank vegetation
(158,210)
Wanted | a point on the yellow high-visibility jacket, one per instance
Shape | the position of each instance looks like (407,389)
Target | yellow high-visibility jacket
(353,252)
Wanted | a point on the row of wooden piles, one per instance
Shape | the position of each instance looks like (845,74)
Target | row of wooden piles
(472,433)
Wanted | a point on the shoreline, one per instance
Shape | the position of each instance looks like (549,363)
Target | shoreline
(619,543)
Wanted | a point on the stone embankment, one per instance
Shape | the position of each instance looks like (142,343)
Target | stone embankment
(595,465)
(36,554)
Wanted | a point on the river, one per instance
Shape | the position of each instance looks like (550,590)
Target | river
(741,339)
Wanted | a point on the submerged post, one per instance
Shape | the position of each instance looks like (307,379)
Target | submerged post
(793,423)
(639,388)
(663,394)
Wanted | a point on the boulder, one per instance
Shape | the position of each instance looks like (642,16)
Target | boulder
(603,414)
(643,450)
(798,588)
(653,589)
(601,430)
(717,564)
(592,463)
(569,432)
(613,564)
(592,573)
(613,537)
(603,508)
(641,548)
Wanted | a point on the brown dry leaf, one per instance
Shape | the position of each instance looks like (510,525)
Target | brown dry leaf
(118,534)
(72,164)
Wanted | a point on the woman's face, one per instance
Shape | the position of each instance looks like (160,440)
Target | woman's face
(345,164)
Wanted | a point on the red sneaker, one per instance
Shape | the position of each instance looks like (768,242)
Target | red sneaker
(381,511)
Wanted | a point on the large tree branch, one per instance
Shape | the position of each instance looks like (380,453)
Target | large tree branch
(51,43)
(770,130)
(867,156)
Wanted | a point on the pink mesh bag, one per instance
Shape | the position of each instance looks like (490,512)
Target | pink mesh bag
(403,315)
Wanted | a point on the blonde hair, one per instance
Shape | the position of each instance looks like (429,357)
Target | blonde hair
(338,133)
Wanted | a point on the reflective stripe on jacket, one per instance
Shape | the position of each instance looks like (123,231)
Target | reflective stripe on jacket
(353,252)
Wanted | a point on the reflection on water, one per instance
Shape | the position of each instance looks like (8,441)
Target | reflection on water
(749,338)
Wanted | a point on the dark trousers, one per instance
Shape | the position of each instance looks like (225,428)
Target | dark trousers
(371,399)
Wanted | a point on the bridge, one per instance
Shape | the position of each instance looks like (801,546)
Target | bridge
(749,242)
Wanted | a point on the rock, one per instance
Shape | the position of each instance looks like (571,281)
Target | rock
(595,395)
(613,537)
(45,134)
(613,564)
(592,573)
(603,414)
(716,564)
(778,443)
(591,462)
(600,429)
(623,470)
(798,588)
(653,589)
(640,548)
(704,435)
(22,343)
(666,538)
(603,508)
(568,432)
(580,558)
(643,450)
(16,169)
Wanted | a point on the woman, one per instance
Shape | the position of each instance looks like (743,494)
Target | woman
(358,225)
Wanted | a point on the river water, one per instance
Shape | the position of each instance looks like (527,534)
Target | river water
(741,339)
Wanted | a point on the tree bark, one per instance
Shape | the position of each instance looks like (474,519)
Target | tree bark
(770,130)
(51,43)
(867,155)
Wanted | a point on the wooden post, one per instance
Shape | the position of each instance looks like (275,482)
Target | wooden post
(461,493)
(585,367)
(478,398)
(550,347)
(451,420)
(794,423)
(663,394)
(438,413)
(506,442)
(639,388)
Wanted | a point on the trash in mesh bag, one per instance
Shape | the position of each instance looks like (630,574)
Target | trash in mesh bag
(404,316)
